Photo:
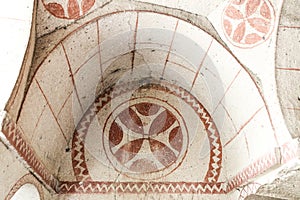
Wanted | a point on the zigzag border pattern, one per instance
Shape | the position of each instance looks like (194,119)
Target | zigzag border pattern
(142,187)
(212,132)
(27,178)
(251,171)
(288,151)
(15,137)
(78,159)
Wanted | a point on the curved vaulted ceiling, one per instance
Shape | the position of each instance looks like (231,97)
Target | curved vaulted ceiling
(138,97)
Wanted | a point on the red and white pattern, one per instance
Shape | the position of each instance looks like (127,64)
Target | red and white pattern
(215,162)
(257,167)
(142,187)
(287,152)
(253,170)
(15,137)
(28,178)
(250,188)
(68,9)
(247,23)
(145,138)
(78,158)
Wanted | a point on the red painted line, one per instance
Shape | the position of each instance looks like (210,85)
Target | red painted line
(78,69)
(51,110)
(64,103)
(288,69)
(169,51)
(175,63)
(134,40)
(226,91)
(201,64)
(99,49)
(152,43)
(72,77)
(226,111)
(284,26)
(247,145)
(23,149)
(38,121)
(15,19)
(88,59)
(298,109)
(244,125)
(93,20)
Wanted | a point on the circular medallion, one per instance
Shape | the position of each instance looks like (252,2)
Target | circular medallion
(248,23)
(70,9)
(142,133)
(145,138)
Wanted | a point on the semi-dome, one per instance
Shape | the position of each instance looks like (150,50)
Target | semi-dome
(136,99)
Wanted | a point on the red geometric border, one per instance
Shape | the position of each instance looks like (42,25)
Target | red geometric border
(142,187)
(287,152)
(249,189)
(27,178)
(254,169)
(78,158)
(14,135)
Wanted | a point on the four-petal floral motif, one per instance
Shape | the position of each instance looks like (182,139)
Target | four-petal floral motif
(247,23)
(145,138)
(72,9)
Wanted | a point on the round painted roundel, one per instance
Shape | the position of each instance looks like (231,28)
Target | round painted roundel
(145,137)
(68,9)
(247,23)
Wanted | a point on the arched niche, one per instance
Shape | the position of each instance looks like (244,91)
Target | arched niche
(26,192)
(68,85)
(26,188)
